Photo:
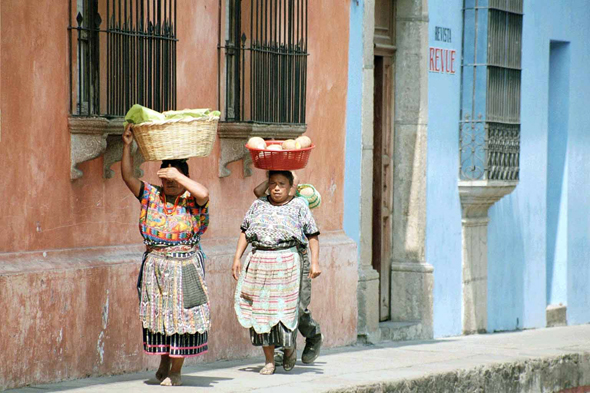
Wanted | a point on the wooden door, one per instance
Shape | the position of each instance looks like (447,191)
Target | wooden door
(383,179)
(384,40)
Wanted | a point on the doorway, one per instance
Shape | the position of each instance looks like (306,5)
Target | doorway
(382,180)
(382,236)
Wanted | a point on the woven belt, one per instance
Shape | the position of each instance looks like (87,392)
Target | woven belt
(172,254)
(273,248)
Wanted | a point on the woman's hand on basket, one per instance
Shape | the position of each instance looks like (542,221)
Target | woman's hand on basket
(128,135)
(236,267)
(314,270)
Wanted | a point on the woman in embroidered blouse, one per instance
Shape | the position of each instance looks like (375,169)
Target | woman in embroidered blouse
(174,305)
(279,227)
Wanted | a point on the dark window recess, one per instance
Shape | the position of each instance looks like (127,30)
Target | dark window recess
(264,57)
(129,59)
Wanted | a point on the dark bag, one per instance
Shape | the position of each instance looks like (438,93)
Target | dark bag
(193,291)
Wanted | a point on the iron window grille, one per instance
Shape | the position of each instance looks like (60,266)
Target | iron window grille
(135,53)
(263,61)
(490,122)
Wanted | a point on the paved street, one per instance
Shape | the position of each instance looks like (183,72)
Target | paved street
(343,369)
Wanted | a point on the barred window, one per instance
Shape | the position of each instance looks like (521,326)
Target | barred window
(263,61)
(133,54)
(504,61)
(489,137)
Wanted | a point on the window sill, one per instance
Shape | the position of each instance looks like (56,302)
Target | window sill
(92,137)
(234,136)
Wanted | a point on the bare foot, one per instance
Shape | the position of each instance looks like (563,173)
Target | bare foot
(172,380)
(268,369)
(163,370)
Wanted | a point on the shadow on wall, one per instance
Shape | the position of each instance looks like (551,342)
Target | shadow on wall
(506,259)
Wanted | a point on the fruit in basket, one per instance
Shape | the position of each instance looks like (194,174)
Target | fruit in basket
(304,141)
(274,147)
(256,142)
(291,144)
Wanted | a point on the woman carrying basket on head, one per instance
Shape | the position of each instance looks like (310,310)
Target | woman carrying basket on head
(174,304)
(278,227)
(307,326)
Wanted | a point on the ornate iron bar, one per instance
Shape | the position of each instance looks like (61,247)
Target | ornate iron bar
(503,151)
(139,65)
(265,70)
(489,151)
(472,149)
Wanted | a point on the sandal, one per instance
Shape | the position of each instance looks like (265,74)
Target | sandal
(268,369)
(290,359)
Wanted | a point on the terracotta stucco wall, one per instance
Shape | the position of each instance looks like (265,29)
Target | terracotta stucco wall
(45,210)
(70,251)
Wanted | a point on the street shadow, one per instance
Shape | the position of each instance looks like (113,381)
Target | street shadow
(298,370)
(397,344)
(194,381)
(187,380)
(383,345)
(82,383)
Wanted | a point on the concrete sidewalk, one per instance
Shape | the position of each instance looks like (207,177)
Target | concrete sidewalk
(543,360)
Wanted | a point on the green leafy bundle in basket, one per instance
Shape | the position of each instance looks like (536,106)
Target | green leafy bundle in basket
(173,134)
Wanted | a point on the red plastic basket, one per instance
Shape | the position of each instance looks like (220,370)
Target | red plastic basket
(279,160)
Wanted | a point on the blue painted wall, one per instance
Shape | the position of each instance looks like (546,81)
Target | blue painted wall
(352,172)
(538,236)
(443,214)
(551,203)
(557,172)
(539,233)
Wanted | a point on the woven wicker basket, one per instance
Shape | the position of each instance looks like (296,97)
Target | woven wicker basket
(279,160)
(176,138)
(314,200)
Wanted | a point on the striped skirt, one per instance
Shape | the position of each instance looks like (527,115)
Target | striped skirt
(169,327)
(267,295)
(279,336)
(176,346)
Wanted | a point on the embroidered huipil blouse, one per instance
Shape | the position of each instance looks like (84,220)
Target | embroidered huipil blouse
(268,226)
(183,227)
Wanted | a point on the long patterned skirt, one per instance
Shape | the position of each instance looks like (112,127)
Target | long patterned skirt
(169,326)
(267,294)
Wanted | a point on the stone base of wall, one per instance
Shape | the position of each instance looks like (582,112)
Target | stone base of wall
(404,331)
(556,315)
(74,313)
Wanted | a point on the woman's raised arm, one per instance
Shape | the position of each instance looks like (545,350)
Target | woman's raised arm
(133,183)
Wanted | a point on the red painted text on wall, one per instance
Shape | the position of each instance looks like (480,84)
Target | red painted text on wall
(442,60)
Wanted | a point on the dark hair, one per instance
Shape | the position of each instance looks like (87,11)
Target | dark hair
(287,174)
(181,165)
